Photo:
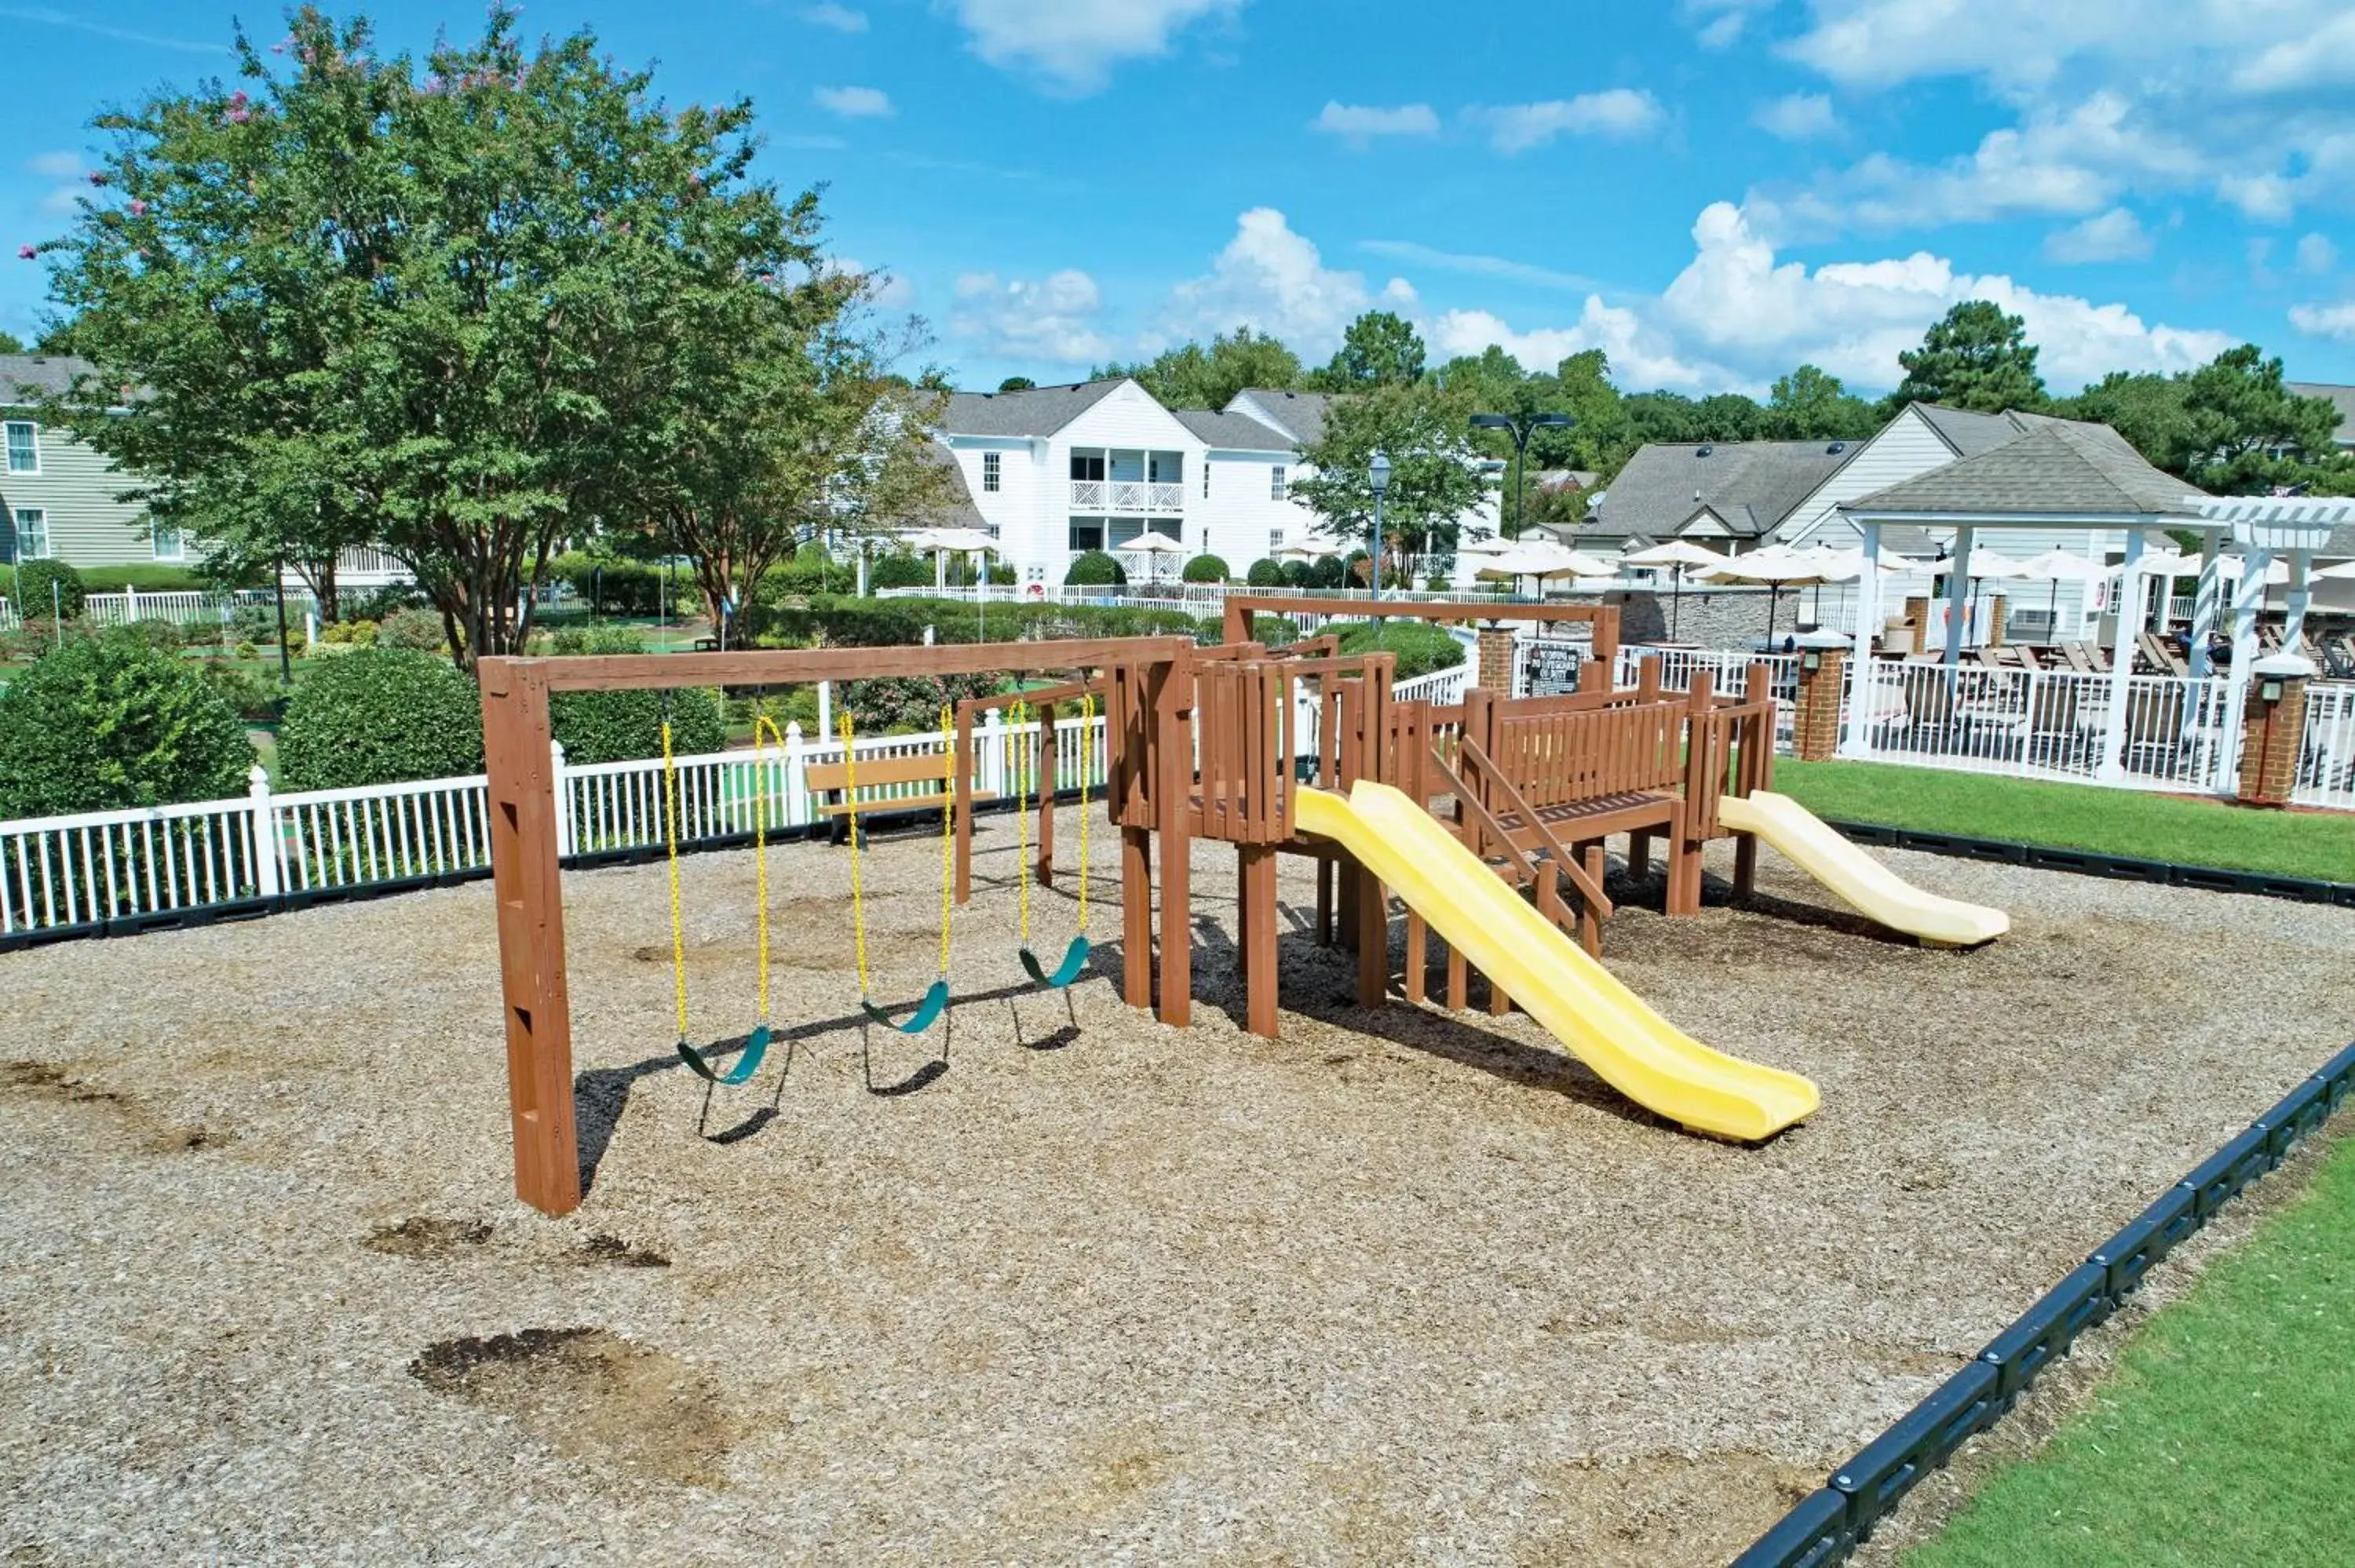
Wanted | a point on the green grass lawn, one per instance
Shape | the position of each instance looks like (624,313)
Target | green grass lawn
(2228,1435)
(2077,816)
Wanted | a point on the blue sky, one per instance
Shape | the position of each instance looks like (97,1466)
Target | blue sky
(1713,191)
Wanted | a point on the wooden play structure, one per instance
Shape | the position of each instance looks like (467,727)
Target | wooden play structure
(1485,817)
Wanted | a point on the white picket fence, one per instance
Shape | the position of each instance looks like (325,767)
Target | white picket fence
(182,607)
(2326,769)
(131,866)
(1728,674)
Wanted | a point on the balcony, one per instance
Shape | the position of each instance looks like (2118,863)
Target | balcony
(1126,495)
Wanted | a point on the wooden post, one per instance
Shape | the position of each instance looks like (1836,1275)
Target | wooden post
(1136,916)
(1755,693)
(1171,693)
(1418,955)
(528,891)
(1373,941)
(1256,868)
(1324,900)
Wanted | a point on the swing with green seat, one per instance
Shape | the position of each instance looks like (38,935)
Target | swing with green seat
(935,1002)
(1075,957)
(756,1044)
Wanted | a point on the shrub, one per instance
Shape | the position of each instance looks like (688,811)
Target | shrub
(8,583)
(615,727)
(1093,569)
(418,631)
(1298,575)
(1356,570)
(812,570)
(1422,648)
(1438,583)
(375,604)
(1205,568)
(249,695)
(905,704)
(33,580)
(898,570)
(378,717)
(108,722)
(1265,574)
(1326,572)
(349,633)
(161,635)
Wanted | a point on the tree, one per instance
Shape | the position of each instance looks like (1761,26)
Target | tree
(1973,357)
(438,302)
(2243,424)
(1435,477)
(1810,405)
(2145,408)
(1379,349)
(11,344)
(1016,384)
(1193,376)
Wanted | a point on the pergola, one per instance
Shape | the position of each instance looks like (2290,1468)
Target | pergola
(2072,477)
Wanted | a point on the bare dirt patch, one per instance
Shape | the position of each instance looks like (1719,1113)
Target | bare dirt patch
(424,1236)
(147,1131)
(592,1394)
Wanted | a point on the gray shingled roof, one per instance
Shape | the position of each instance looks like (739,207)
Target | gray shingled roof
(2341,398)
(2056,466)
(957,508)
(25,377)
(1033,411)
(1302,414)
(1970,432)
(1753,485)
(1238,432)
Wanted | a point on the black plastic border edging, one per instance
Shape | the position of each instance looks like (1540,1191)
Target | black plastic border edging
(2093,862)
(1839,1516)
(303,898)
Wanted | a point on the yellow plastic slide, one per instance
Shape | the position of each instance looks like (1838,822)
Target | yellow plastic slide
(1876,892)
(1603,1023)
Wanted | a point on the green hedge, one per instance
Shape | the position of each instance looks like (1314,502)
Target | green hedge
(1093,569)
(1422,648)
(1265,574)
(33,580)
(380,716)
(613,587)
(615,727)
(1205,568)
(147,576)
(111,722)
(900,622)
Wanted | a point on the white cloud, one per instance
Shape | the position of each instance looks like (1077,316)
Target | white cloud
(1072,45)
(1734,301)
(1481,266)
(1050,321)
(1358,124)
(2326,321)
(841,18)
(1642,356)
(1722,21)
(58,165)
(855,103)
(1272,280)
(2116,235)
(1797,117)
(2316,254)
(1618,112)
(2243,98)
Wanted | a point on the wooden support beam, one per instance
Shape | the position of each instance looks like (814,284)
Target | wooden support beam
(528,894)
(1256,870)
(1171,695)
(1136,916)
(1373,941)
(807,666)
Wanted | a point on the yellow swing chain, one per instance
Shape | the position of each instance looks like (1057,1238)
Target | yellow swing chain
(671,850)
(762,725)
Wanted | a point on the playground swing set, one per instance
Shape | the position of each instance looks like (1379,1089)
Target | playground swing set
(1485,819)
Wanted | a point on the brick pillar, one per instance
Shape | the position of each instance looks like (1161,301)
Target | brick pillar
(1823,674)
(1496,660)
(2271,730)
(1917,610)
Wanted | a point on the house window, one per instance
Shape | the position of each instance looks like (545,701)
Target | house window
(1087,534)
(1275,491)
(32,532)
(1274,540)
(1206,482)
(989,470)
(1087,466)
(166,542)
(24,446)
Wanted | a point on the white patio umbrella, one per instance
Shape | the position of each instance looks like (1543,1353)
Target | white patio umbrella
(2344,572)
(1680,555)
(1154,547)
(1543,558)
(2057,567)
(1778,568)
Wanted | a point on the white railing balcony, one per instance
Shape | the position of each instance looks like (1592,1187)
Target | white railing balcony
(1126,495)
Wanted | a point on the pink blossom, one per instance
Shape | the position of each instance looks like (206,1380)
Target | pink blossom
(278,48)
(238,116)
(25,253)
(138,207)
(239,98)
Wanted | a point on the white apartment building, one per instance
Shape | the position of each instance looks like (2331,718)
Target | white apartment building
(1055,470)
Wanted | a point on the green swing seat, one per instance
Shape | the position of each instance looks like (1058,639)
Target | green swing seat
(1075,960)
(756,1046)
(927,1011)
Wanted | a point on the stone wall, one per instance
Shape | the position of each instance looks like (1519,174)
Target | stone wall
(1726,619)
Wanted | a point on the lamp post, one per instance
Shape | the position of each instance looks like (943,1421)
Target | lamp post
(1520,425)
(1378,474)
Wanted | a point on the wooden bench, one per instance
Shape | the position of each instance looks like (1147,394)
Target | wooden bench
(830,782)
